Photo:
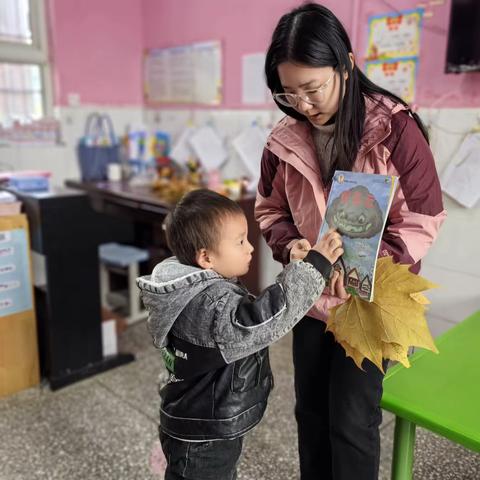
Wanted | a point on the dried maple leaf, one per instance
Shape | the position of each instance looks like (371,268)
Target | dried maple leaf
(389,325)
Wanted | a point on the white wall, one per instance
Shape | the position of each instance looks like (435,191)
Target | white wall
(228,123)
(453,262)
(61,159)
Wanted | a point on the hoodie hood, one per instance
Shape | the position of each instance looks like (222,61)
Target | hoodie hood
(168,290)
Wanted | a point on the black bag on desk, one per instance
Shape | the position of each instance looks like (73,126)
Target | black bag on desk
(97,148)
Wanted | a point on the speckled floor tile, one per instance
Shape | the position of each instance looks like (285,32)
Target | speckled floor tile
(270,450)
(137,383)
(105,427)
(136,339)
(79,432)
(437,458)
(276,436)
(386,448)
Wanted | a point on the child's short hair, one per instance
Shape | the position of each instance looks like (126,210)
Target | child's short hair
(195,223)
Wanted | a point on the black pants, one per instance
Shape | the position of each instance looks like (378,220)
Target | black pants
(337,408)
(201,460)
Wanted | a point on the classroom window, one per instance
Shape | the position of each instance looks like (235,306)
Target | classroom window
(25,83)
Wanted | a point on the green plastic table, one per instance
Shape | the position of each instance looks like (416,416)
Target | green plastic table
(439,392)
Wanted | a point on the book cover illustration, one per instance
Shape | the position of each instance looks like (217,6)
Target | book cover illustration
(358,207)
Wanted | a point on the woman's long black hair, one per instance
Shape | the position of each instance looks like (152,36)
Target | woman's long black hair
(312,35)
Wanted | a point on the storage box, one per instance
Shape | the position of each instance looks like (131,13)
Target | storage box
(12,208)
(25,183)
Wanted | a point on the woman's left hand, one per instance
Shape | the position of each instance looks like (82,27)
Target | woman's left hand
(337,287)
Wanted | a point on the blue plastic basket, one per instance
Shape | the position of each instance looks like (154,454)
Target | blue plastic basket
(92,157)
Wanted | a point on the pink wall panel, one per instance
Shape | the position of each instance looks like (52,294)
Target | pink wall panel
(96,45)
(245,26)
(96,49)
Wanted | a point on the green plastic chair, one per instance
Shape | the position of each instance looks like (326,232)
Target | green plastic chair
(439,392)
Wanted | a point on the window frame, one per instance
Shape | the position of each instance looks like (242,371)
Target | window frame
(35,53)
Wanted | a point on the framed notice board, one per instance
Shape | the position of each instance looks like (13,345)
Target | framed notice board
(184,74)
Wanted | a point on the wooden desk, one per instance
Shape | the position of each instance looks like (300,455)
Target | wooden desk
(141,205)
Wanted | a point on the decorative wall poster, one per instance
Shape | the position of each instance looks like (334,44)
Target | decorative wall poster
(395,35)
(184,74)
(15,285)
(397,76)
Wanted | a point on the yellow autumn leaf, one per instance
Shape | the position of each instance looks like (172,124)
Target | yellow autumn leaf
(391,323)
(354,353)
(420,298)
(352,325)
(397,352)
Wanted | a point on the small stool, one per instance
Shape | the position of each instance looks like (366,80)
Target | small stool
(122,259)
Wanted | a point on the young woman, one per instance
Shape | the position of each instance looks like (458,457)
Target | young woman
(337,119)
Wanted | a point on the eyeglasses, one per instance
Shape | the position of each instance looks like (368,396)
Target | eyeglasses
(312,97)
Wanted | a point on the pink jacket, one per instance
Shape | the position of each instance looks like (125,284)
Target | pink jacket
(291,197)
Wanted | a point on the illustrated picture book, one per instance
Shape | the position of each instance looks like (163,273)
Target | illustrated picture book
(358,206)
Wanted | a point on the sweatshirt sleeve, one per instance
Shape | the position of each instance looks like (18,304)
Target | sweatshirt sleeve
(272,211)
(417,212)
(245,324)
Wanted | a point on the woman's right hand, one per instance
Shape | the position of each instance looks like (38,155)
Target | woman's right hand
(300,249)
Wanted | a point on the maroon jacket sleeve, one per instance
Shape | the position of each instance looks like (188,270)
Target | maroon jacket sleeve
(417,209)
(271,208)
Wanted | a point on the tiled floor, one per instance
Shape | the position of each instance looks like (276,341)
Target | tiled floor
(105,428)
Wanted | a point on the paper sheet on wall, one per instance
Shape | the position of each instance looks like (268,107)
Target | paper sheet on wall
(254,88)
(208,147)
(395,34)
(249,145)
(397,76)
(461,178)
(182,151)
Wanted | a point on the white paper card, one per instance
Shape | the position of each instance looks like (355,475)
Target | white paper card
(208,147)
(461,178)
(249,145)
(181,151)
(109,338)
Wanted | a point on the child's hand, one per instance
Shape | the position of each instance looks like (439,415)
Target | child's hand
(330,246)
(300,249)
